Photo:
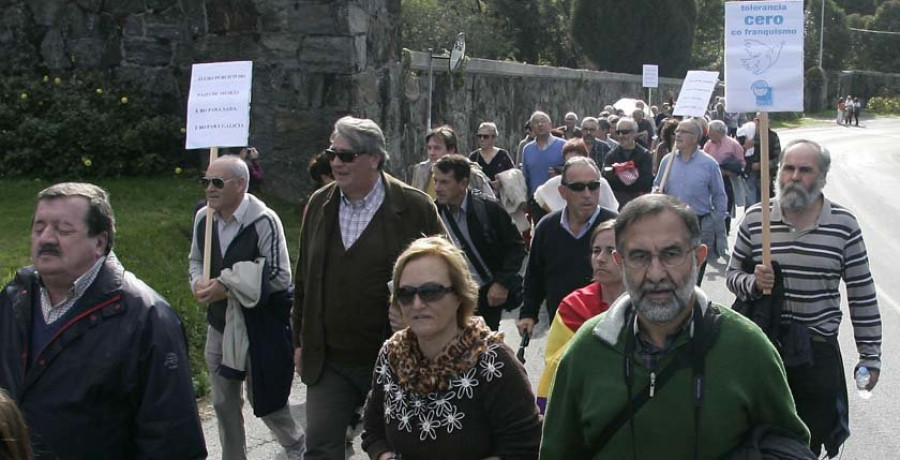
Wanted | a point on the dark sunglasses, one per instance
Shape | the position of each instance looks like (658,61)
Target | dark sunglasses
(580,186)
(623,131)
(217,182)
(346,156)
(484,136)
(428,292)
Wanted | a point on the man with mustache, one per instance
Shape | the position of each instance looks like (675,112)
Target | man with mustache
(630,386)
(95,359)
(817,243)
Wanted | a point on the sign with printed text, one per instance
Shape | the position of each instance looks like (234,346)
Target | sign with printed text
(693,99)
(651,76)
(218,113)
(764,56)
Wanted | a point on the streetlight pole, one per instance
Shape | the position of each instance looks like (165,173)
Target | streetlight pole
(821,36)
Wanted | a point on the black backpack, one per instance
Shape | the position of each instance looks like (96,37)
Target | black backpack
(770,443)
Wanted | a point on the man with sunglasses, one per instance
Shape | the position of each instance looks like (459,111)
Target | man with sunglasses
(249,258)
(486,234)
(665,373)
(628,151)
(354,230)
(696,180)
(560,262)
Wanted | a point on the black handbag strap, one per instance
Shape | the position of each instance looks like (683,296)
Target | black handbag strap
(706,330)
(483,271)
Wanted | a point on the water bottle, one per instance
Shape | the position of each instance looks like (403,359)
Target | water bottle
(862,381)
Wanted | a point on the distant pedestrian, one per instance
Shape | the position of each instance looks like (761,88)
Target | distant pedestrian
(490,158)
(541,159)
(570,129)
(857,106)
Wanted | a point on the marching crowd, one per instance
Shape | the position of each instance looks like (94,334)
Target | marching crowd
(390,312)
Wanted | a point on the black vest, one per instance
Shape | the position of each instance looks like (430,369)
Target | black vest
(244,247)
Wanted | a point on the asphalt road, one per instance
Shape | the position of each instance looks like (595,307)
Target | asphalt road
(863,177)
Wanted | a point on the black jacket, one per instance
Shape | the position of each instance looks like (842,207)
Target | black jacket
(114,382)
(497,241)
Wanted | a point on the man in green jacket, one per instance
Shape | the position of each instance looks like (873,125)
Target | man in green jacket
(662,321)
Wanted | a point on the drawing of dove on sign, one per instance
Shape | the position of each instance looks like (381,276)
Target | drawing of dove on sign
(761,57)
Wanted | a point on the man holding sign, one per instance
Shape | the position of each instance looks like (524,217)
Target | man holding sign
(249,257)
(818,243)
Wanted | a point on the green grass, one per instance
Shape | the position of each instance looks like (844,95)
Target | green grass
(153,238)
(808,119)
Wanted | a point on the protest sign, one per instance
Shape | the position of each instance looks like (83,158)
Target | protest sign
(651,76)
(764,56)
(696,90)
(218,113)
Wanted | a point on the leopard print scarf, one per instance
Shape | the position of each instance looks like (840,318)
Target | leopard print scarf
(418,374)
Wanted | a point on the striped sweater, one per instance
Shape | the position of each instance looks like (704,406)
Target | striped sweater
(813,262)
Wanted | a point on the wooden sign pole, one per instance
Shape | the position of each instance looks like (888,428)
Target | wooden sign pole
(207,242)
(764,184)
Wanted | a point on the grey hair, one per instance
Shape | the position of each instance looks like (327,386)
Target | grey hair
(579,160)
(538,113)
(822,152)
(491,126)
(653,204)
(590,120)
(99,217)
(572,115)
(626,119)
(363,135)
(718,126)
(238,168)
(697,129)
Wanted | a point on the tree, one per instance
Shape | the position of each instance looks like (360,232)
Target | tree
(435,24)
(621,37)
(708,50)
(882,55)
(836,44)
(861,7)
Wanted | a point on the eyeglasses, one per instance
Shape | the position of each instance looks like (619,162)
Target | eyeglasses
(346,156)
(622,132)
(484,136)
(673,257)
(428,292)
(217,182)
(580,186)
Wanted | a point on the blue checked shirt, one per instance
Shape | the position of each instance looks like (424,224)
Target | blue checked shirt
(355,216)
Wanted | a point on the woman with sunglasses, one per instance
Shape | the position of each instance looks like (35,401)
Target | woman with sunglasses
(446,387)
(493,160)
(548,195)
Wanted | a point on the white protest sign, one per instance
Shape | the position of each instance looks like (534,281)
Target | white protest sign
(218,112)
(651,76)
(696,90)
(764,56)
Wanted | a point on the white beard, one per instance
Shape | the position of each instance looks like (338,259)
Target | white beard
(665,310)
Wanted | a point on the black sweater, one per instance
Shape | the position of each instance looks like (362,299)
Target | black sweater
(558,264)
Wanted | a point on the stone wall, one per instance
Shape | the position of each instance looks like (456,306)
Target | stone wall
(314,61)
(505,93)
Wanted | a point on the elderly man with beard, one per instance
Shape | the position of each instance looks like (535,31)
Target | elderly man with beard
(817,243)
(628,385)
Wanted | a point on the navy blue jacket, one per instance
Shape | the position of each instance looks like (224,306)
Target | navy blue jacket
(114,382)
